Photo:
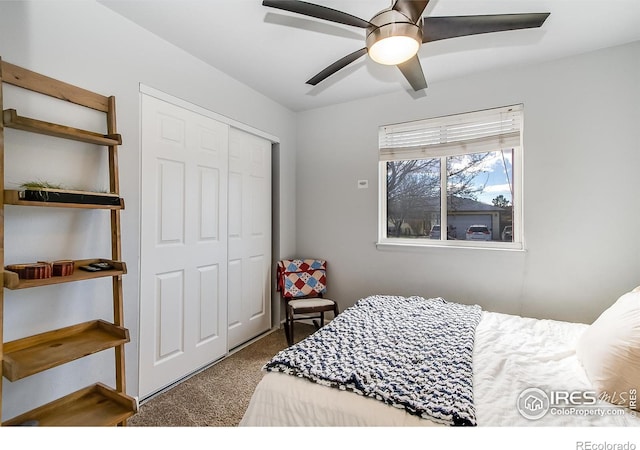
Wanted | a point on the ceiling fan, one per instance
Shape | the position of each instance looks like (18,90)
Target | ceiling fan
(394,35)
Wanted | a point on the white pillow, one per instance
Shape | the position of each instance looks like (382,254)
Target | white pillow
(609,351)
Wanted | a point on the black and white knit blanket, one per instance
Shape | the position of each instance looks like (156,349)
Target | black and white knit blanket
(409,352)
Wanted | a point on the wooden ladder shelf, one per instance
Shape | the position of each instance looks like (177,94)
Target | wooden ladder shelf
(98,404)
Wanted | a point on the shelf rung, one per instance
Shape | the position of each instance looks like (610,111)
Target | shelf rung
(13,281)
(37,353)
(96,405)
(11,119)
(12,197)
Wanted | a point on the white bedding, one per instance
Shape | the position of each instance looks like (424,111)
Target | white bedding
(511,354)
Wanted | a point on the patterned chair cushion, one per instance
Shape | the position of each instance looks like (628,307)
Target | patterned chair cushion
(302,277)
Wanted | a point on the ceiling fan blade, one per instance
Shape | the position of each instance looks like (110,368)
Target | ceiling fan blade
(438,28)
(339,64)
(412,71)
(411,8)
(317,11)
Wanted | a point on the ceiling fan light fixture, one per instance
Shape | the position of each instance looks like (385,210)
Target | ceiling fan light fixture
(394,43)
(394,50)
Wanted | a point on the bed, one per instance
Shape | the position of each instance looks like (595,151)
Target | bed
(371,366)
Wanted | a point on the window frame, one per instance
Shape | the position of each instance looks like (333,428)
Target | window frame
(518,242)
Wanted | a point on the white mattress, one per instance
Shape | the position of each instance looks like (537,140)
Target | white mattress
(511,354)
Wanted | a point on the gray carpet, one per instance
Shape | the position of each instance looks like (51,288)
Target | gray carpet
(219,395)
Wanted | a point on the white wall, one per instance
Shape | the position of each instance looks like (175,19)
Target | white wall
(88,45)
(581,142)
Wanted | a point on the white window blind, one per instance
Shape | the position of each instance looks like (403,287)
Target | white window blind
(480,131)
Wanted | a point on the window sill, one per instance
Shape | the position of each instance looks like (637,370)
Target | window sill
(407,245)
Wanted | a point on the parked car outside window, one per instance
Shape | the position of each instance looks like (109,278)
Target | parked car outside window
(478,233)
(435,232)
(507,233)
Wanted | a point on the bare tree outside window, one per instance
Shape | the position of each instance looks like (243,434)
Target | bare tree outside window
(414,189)
(413,194)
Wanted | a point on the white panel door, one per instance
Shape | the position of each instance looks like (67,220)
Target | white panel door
(183,268)
(249,308)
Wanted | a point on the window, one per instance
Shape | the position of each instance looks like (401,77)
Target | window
(460,173)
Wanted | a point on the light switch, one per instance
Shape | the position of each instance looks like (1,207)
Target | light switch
(363,184)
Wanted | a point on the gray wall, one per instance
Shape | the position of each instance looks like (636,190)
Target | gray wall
(582,153)
(88,45)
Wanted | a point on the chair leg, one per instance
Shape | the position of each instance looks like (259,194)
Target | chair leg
(288,328)
(291,330)
(287,332)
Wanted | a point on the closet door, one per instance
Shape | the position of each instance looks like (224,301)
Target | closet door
(249,299)
(183,285)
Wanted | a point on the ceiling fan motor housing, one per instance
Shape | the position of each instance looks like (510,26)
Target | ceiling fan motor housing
(391,23)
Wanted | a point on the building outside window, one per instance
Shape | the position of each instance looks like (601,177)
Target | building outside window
(459,173)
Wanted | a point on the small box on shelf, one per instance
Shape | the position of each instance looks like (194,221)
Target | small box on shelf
(42,269)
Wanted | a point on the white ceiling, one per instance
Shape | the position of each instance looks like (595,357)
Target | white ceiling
(275,52)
